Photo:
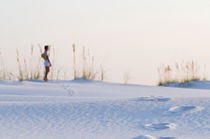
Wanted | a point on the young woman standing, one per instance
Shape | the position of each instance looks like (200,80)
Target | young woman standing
(47,62)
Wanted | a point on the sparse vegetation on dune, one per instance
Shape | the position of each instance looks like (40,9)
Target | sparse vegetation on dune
(31,67)
(179,73)
(4,73)
(86,67)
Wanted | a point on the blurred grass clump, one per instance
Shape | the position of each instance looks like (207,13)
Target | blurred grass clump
(30,66)
(179,73)
(85,67)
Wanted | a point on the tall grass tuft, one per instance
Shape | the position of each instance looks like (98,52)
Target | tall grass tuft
(27,68)
(87,65)
(179,73)
(74,61)
(20,70)
(4,73)
(126,78)
(102,74)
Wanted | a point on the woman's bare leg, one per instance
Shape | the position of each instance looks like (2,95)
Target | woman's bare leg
(47,70)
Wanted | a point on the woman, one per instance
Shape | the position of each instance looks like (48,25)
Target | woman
(47,62)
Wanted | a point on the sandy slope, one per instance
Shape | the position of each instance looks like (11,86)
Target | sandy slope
(94,110)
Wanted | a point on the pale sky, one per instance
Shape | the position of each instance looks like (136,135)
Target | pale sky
(126,36)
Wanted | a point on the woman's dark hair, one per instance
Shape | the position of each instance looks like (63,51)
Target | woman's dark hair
(46,47)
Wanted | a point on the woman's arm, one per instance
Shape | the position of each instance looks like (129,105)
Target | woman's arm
(49,60)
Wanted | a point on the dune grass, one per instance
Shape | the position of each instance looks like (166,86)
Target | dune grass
(84,66)
(31,67)
(179,73)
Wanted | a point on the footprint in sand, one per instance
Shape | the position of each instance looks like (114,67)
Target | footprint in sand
(151,137)
(145,137)
(167,138)
(160,126)
(185,109)
(152,98)
(68,88)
